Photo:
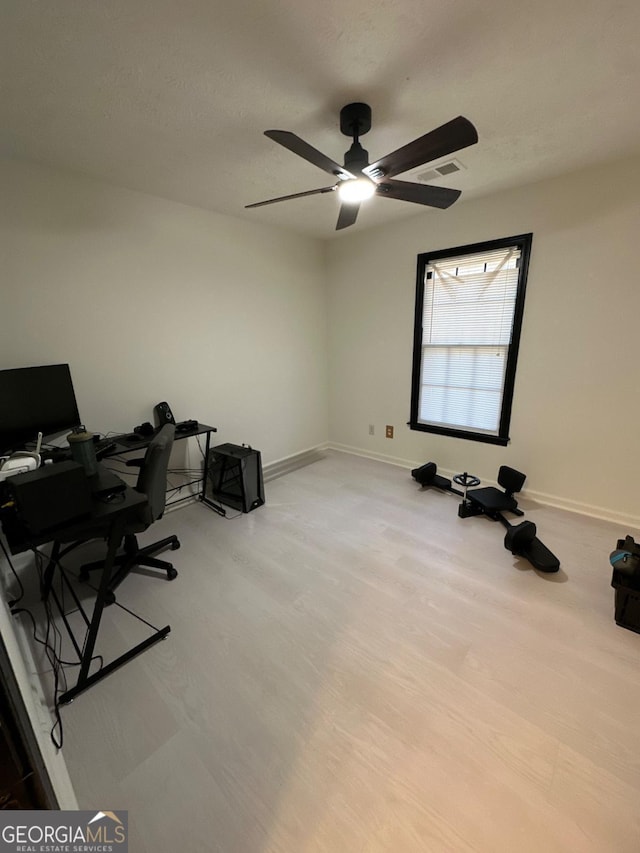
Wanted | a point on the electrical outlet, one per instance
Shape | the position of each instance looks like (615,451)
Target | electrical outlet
(372,429)
(389,431)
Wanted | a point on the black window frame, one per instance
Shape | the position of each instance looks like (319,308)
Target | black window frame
(523,242)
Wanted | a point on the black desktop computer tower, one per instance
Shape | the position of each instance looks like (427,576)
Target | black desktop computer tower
(234,477)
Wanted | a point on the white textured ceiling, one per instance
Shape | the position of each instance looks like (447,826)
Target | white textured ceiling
(171,97)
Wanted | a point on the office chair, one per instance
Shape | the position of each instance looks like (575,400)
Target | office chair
(152,482)
(490,500)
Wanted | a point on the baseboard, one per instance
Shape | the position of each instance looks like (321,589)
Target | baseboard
(599,512)
(370,454)
(291,463)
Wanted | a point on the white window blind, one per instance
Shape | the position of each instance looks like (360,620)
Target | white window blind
(467,325)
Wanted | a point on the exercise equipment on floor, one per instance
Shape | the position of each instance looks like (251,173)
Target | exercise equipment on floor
(626,582)
(520,539)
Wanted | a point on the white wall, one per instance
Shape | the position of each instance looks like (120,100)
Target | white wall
(149,300)
(576,414)
(227,320)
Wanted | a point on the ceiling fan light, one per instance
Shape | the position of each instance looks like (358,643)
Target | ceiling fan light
(356,190)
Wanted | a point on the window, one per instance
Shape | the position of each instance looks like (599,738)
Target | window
(469,304)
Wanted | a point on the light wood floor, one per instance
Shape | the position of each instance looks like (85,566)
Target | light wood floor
(353,668)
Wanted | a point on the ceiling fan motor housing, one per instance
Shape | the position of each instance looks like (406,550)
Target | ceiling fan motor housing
(356,158)
(355,119)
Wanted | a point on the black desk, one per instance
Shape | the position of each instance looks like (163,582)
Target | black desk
(114,515)
(132,442)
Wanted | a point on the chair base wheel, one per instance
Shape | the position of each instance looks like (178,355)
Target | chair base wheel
(133,557)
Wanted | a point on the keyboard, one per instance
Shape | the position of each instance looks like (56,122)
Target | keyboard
(56,454)
(133,438)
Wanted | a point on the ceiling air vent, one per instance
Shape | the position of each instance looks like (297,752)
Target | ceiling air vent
(440,171)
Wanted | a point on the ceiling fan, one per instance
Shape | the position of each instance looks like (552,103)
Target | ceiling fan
(358,179)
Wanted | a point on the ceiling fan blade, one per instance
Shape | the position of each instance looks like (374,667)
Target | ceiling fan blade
(294,195)
(308,152)
(452,136)
(347,216)
(441,197)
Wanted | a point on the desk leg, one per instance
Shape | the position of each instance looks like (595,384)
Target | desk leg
(115,537)
(206,463)
(84,679)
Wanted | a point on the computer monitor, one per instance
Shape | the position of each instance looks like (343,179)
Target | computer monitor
(33,400)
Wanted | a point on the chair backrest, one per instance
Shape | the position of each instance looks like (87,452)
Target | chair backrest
(152,479)
(510,479)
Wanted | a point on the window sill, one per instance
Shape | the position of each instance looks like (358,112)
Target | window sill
(461,433)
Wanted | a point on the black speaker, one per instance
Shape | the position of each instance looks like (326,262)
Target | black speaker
(163,414)
(234,477)
(51,495)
